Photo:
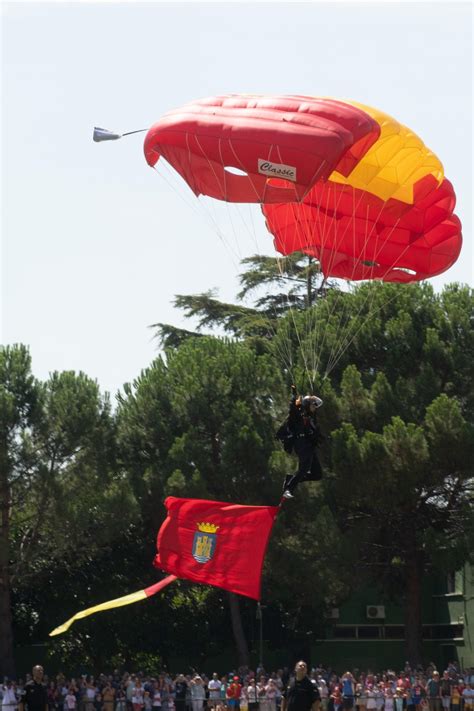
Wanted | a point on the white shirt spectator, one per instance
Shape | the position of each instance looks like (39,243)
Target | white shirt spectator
(137,697)
(9,700)
(214,687)
(252,694)
(468,696)
(371,703)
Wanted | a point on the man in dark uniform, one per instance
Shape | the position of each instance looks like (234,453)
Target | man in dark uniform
(180,687)
(305,436)
(300,694)
(35,697)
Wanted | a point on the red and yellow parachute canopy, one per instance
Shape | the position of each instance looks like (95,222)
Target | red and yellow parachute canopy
(343,182)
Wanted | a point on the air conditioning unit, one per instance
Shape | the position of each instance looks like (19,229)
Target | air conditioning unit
(333,613)
(375,612)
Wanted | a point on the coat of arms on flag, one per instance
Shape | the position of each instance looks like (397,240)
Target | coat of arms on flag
(215,543)
(204,543)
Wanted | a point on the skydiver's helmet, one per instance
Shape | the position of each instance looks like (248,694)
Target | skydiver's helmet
(309,400)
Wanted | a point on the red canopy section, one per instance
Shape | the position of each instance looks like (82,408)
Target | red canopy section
(229,147)
(356,235)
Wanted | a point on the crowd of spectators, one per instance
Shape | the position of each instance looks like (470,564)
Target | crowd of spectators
(247,690)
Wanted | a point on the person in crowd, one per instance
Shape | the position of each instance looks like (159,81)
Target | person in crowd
(244,702)
(348,690)
(108,696)
(70,701)
(360,696)
(300,694)
(271,693)
(335,698)
(35,694)
(9,697)
(252,695)
(445,690)
(147,701)
(233,692)
(168,693)
(262,693)
(198,693)
(379,695)
(400,699)
(433,691)
(90,694)
(137,696)
(371,696)
(121,698)
(156,696)
(468,696)
(323,692)
(223,693)
(389,701)
(417,695)
(129,688)
(53,696)
(189,701)
(456,695)
(98,702)
(214,688)
(180,688)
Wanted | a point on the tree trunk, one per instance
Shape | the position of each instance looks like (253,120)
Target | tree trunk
(7,664)
(413,622)
(238,630)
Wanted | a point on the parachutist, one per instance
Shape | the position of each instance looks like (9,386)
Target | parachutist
(301,433)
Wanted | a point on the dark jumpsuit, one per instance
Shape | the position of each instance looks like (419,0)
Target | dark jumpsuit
(307,434)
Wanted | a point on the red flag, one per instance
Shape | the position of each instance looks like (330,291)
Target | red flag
(215,543)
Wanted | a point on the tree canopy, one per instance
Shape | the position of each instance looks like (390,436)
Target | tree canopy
(82,485)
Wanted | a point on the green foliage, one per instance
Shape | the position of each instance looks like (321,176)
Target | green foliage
(85,486)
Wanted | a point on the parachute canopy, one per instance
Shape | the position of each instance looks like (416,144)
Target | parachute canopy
(343,182)
(391,218)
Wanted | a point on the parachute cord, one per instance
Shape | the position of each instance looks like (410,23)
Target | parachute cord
(361,326)
(350,340)
(319,341)
(337,352)
(311,367)
(289,305)
(164,164)
(202,211)
(302,350)
(343,321)
(370,312)
(338,295)
(284,351)
(343,318)
(288,359)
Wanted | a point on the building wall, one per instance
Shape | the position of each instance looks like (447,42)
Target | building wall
(354,639)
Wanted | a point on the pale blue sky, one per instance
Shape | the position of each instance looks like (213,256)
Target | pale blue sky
(94,243)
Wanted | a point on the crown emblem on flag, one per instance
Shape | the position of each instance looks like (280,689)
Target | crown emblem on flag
(207,527)
(204,542)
